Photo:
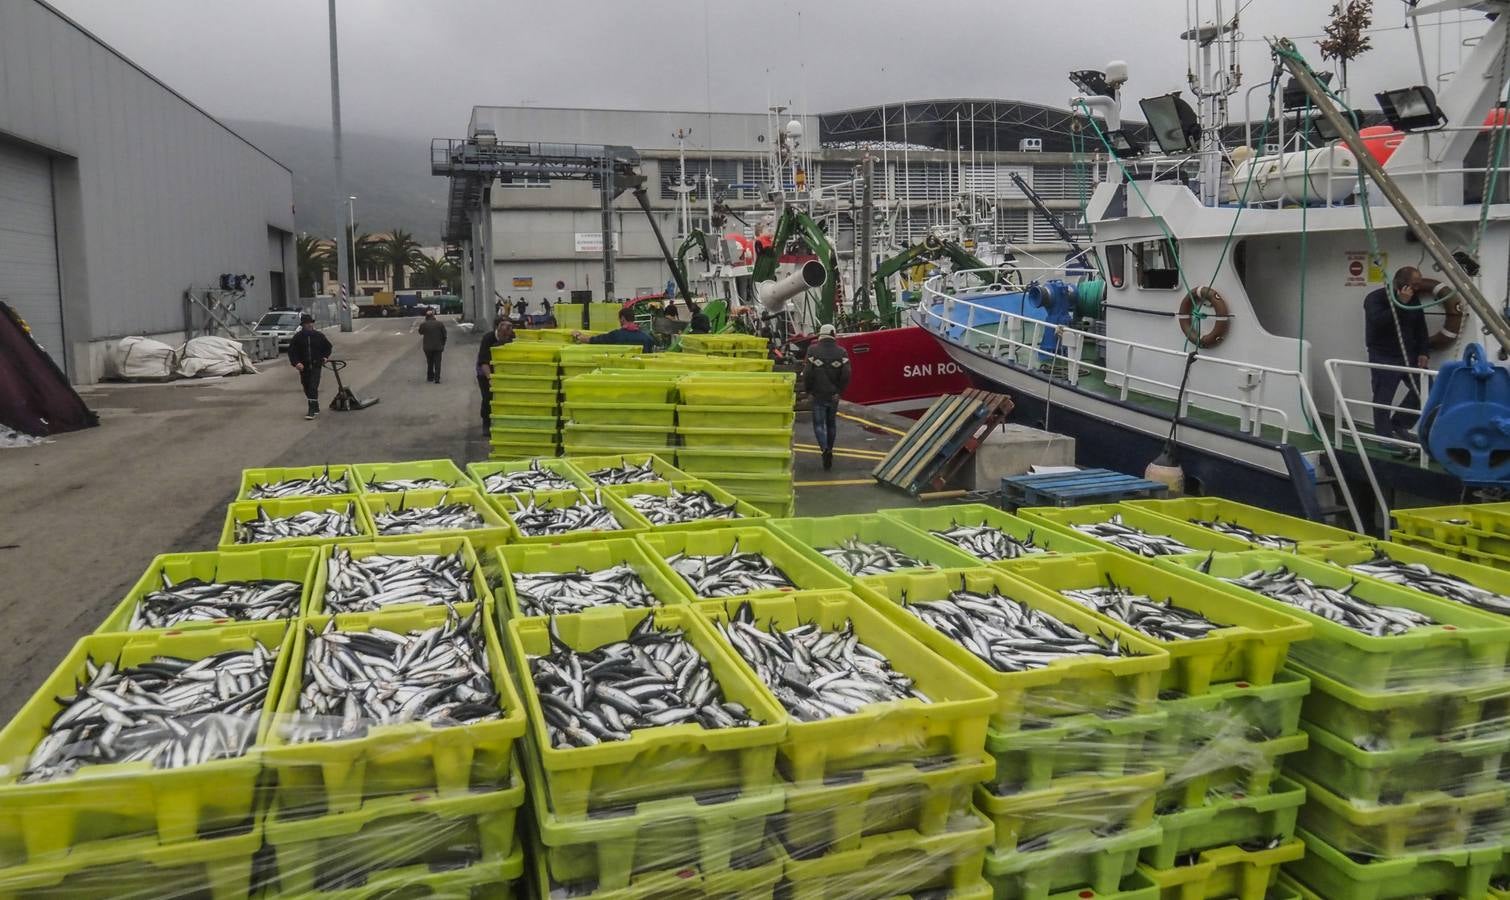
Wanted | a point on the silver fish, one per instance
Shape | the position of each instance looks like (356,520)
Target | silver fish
(859,557)
(401,485)
(373,582)
(534,478)
(1271,541)
(587,514)
(988,542)
(1162,620)
(193,600)
(1134,540)
(626,474)
(1440,584)
(310,523)
(1334,604)
(680,506)
(729,575)
(443,516)
(1007,633)
(559,593)
(315,486)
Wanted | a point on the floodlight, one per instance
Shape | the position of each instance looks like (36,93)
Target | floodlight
(1093,82)
(1175,126)
(1294,96)
(1412,109)
(1124,144)
(1324,128)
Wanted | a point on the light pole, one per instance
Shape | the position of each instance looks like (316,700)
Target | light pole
(344,304)
(351,219)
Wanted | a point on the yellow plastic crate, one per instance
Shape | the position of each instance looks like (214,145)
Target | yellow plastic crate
(431,545)
(250,478)
(507,504)
(439,469)
(296,564)
(252,509)
(495,529)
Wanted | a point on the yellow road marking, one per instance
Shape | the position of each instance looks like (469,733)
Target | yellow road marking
(868,454)
(853,418)
(845,454)
(841,481)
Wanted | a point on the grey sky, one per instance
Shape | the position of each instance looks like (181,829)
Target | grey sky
(414,68)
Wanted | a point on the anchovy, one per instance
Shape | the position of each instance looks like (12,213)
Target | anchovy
(310,523)
(420,519)
(1164,621)
(169,711)
(587,514)
(321,485)
(373,582)
(817,674)
(626,474)
(534,478)
(656,677)
(729,575)
(681,506)
(1334,604)
(403,485)
(988,542)
(1440,584)
(194,600)
(1271,541)
(1134,540)
(559,593)
(354,680)
(859,557)
(1008,634)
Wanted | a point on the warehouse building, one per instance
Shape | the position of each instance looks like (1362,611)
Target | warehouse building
(118,195)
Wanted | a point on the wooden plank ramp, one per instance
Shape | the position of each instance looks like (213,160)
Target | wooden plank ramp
(943,438)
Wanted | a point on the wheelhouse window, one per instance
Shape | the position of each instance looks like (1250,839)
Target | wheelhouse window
(1157,264)
(1116,265)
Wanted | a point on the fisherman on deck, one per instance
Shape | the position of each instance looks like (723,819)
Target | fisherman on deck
(824,377)
(502,333)
(627,333)
(1396,335)
(432,337)
(307,351)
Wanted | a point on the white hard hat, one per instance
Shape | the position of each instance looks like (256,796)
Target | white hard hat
(826,331)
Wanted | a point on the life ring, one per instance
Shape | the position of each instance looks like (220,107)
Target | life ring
(1202,299)
(1453,315)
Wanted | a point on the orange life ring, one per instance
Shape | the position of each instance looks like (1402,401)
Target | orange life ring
(1453,315)
(1194,308)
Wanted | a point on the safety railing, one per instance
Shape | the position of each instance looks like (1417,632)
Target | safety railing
(1345,423)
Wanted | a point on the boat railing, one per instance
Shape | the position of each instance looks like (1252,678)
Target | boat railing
(1345,422)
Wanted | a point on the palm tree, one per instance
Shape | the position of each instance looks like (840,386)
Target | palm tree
(431,272)
(366,252)
(313,258)
(399,250)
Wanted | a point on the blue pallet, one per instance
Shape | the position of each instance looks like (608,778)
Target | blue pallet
(1085,487)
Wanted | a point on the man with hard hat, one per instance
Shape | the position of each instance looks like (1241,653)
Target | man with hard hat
(824,377)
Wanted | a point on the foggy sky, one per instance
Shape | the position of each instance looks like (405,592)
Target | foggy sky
(415,68)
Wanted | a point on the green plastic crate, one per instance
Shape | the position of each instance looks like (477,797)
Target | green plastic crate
(1299,531)
(1467,646)
(695,461)
(500,450)
(659,464)
(933,519)
(1075,864)
(735,416)
(1490,578)
(1422,823)
(506,423)
(590,555)
(481,470)
(1227,765)
(1073,750)
(813,535)
(705,364)
(653,763)
(760,485)
(774,507)
(442,469)
(250,478)
(1251,646)
(527,385)
(495,529)
(657,415)
(921,795)
(754,877)
(542,437)
(1227,872)
(1261,712)
(508,504)
(339,776)
(525,369)
(434,546)
(953,724)
(1331,874)
(297,564)
(524,403)
(744,512)
(219,868)
(1056,813)
(722,390)
(802,571)
(903,863)
(388,838)
(620,388)
(1198,539)
(1236,820)
(45,821)
(1066,687)
(247,510)
(526,351)
(734,438)
(607,353)
(627,436)
(1425,765)
(1393,718)
(1484,527)
(703,343)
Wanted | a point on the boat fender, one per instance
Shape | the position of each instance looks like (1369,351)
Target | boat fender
(1212,306)
(1453,314)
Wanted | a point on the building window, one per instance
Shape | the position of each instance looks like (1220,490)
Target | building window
(1158,264)
(372,273)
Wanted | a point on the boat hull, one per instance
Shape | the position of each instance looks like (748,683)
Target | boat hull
(900,370)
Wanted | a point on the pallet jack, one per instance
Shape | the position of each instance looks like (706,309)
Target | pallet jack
(345,400)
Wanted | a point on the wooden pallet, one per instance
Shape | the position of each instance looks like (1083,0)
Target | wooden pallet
(1085,487)
(942,440)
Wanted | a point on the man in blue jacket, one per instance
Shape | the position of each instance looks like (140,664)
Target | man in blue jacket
(627,333)
(1396,335)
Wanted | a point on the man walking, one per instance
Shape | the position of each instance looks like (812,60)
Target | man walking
(628,332)
(824,377)
(308,350)
(502,333)
(432,338)
(1396,335)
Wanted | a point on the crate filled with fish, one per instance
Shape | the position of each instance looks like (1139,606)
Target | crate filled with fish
(1070,864)
(1235,819)
(1468,765)
(1482,587)
(295,522)
(946,864)
(859,690)
(396,702)
(413,475)
(1134,531)
(1044,657)
(1261,528)
(558,516)
(561,579)
(301,481)
(1211,636)
(527,476)
(647,415)
(781,416)
(860,545)
(738,561)
(1071,750)
(989,534)
(208,590)
(626,468)
(455,512)
(211,866)
(149,735)
(753,875)
(386,843)
(1425,822)
(1386,719)
(1331,874)
(1234,872)
(689,503)
(1035,820)
(629,705)
(1367,634)
(390,575)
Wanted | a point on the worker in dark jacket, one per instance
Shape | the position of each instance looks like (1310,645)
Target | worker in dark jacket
(432,339)
(1396,335)
(824,378)
(502,333)
(627,333)
(307,351)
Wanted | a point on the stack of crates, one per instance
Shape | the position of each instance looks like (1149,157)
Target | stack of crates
(737,346)
(1479,533)
(526,403)
(735,429)
(617,410)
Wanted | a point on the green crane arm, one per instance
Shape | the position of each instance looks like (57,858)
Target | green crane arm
(927,249)
(795,221)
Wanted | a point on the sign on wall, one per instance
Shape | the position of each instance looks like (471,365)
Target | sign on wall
(524,281)
(592,242)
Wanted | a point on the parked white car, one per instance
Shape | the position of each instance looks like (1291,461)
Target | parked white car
(281,324)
